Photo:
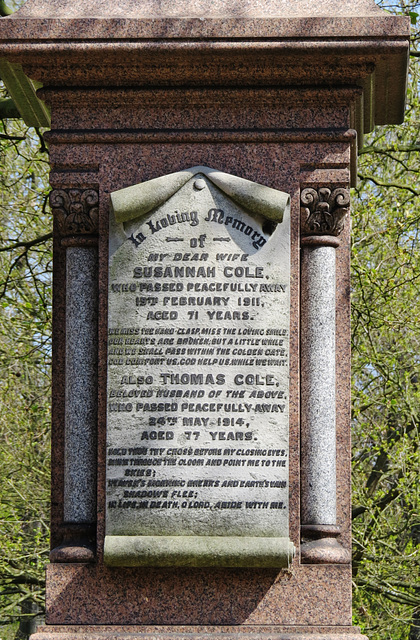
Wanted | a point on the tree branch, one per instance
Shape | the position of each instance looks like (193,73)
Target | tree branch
(388,184)
(25,580)
(392,594)
(27,245)
(4,136)
(393,493)
(408,148)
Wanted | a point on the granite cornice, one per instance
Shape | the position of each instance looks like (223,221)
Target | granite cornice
(224,8)
(233,50)
(170,61)
(264,97)
(133,8)
(56,28)
(317,61)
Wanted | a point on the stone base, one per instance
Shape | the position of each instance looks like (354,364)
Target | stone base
(170,598)
(102,632)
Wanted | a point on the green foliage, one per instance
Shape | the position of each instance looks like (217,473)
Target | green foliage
(386,376)
(25,356)
(413,17)
(10,6)
(4,9)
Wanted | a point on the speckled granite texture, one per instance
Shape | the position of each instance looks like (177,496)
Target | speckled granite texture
(81,374)
(135,9)
(79,594)
(318,385)
(198,633)
(271,91)
(283,158)
(221,44)
(96,595)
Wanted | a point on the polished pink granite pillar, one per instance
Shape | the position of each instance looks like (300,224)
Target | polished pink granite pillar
(279,93)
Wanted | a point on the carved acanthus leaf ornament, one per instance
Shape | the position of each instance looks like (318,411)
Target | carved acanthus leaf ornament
(323,210)
(76,211)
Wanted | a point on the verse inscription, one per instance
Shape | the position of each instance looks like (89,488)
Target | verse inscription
(198,337)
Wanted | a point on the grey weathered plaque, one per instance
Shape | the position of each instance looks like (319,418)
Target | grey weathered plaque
(198,395)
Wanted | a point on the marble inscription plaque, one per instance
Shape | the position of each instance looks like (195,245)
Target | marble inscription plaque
(198,338)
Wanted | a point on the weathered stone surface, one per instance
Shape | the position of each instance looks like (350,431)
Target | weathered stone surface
(326,551)
(198,551)
(244,8)
(142,198)
(198,362)
(274,632)
(81,386)
(79,552)
(318,386)
(76,211)
(273,97)
(283,44)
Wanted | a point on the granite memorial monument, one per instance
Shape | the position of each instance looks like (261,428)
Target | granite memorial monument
(201,159)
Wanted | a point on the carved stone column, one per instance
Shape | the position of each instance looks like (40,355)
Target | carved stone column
(76,212)
(323,213)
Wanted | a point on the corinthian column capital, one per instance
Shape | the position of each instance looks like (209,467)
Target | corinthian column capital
(323,211)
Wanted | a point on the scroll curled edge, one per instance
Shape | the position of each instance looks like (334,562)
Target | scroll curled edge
(138,200)
(198,551)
